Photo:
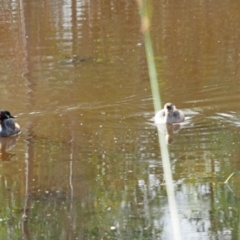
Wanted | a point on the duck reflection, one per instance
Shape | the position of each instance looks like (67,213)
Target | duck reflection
(169,130)
(6,145)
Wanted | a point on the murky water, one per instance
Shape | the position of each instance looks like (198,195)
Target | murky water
(87,164)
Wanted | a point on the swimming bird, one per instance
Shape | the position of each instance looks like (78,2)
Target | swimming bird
(169,114)
(8,126)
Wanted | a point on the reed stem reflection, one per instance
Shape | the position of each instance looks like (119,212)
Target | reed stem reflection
(145,26)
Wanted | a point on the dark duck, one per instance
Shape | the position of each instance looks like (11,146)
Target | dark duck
(8,127)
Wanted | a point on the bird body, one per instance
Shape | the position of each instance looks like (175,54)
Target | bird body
(8,126)
(170,114)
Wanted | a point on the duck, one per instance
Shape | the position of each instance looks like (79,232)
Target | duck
(169,115)
(8,127)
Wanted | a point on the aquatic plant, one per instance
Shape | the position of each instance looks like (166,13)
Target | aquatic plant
(144,9)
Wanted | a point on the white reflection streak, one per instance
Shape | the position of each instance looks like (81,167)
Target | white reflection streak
(22,18)
(71,170)
(143,187)
(153,182)
(169,185)
(67,20)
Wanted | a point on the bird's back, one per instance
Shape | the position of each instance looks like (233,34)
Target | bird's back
(9,128)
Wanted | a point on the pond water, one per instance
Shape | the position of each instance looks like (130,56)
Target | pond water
(87,164)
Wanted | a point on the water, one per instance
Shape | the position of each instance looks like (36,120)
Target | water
(87,164)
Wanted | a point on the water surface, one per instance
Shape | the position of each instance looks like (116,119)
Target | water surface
(87,164)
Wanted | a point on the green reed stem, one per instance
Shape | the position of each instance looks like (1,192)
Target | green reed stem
(145,22)
(152,73)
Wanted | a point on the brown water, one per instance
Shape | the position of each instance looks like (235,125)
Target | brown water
(87,164)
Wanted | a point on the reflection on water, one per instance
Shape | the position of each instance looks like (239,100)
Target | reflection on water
(6,145)
(169,130)
(87,165)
